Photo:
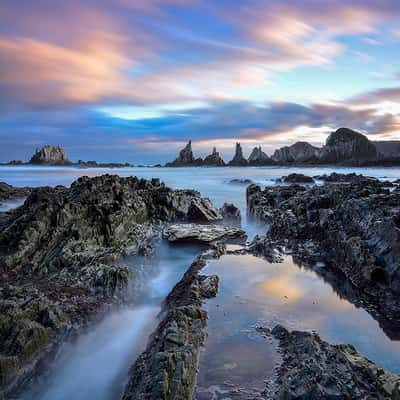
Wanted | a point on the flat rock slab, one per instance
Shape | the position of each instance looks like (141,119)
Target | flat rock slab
(201,233)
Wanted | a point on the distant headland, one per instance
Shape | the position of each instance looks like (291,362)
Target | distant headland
(56,156)
(342,147)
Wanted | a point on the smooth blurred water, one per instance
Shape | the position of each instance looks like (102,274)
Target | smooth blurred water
(213,182)
(95,366)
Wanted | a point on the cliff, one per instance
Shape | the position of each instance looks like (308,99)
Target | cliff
(258,157)
(346,145)
(50,155)
(300,152)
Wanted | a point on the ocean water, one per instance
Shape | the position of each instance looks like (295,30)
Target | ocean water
(252,292)
(212,182)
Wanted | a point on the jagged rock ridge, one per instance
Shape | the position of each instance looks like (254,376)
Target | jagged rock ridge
(185,158)
(300,152)
(61,258)
(214,159)
(238,159)
(50,155)
(258,157)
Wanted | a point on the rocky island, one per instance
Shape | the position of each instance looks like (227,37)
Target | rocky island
(342,147)
(49,155)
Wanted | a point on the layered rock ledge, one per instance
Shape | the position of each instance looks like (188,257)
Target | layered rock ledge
(61,259)
(354,226)
(314,369)
(8,192)
(167,369)
(201,233)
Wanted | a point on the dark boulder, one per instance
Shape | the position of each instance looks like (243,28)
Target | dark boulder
(230,211)
(314,369)
(296,178)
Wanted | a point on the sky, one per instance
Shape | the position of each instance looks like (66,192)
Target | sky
(134,80)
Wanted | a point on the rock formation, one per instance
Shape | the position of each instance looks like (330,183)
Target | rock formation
(214,159)
(11,192)
(238,159)
(296,178)
(202,210)
(346,145)
(315,369)
(300,152)
(185,158)
(355,227)
(167,368)
(258,157)
(388,150)
(50,155)
(201,233)
(230,212)
(61,258)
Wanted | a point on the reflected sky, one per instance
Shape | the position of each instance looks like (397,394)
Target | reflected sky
(254,292)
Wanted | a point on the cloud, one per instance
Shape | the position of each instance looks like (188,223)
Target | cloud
(156,51)
(377,96)
(89,134)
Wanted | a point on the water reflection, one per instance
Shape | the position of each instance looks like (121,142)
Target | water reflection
(254,292)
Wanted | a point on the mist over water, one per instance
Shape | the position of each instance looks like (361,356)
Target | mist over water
(96,364)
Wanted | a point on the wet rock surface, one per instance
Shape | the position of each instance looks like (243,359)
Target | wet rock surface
(230,212)
(244,181)
(296,178)
(8,192)
(345,178)
(167,368)
(202,210)
(354,226)
(314,369)
(60,259)
(201,233)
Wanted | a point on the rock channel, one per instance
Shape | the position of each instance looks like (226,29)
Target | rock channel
(61,259)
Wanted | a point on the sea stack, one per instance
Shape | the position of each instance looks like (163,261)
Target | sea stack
(346,145)
(238,159)
(214,159)
(300,152)
(50,155)
(258,157)
(185,158)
